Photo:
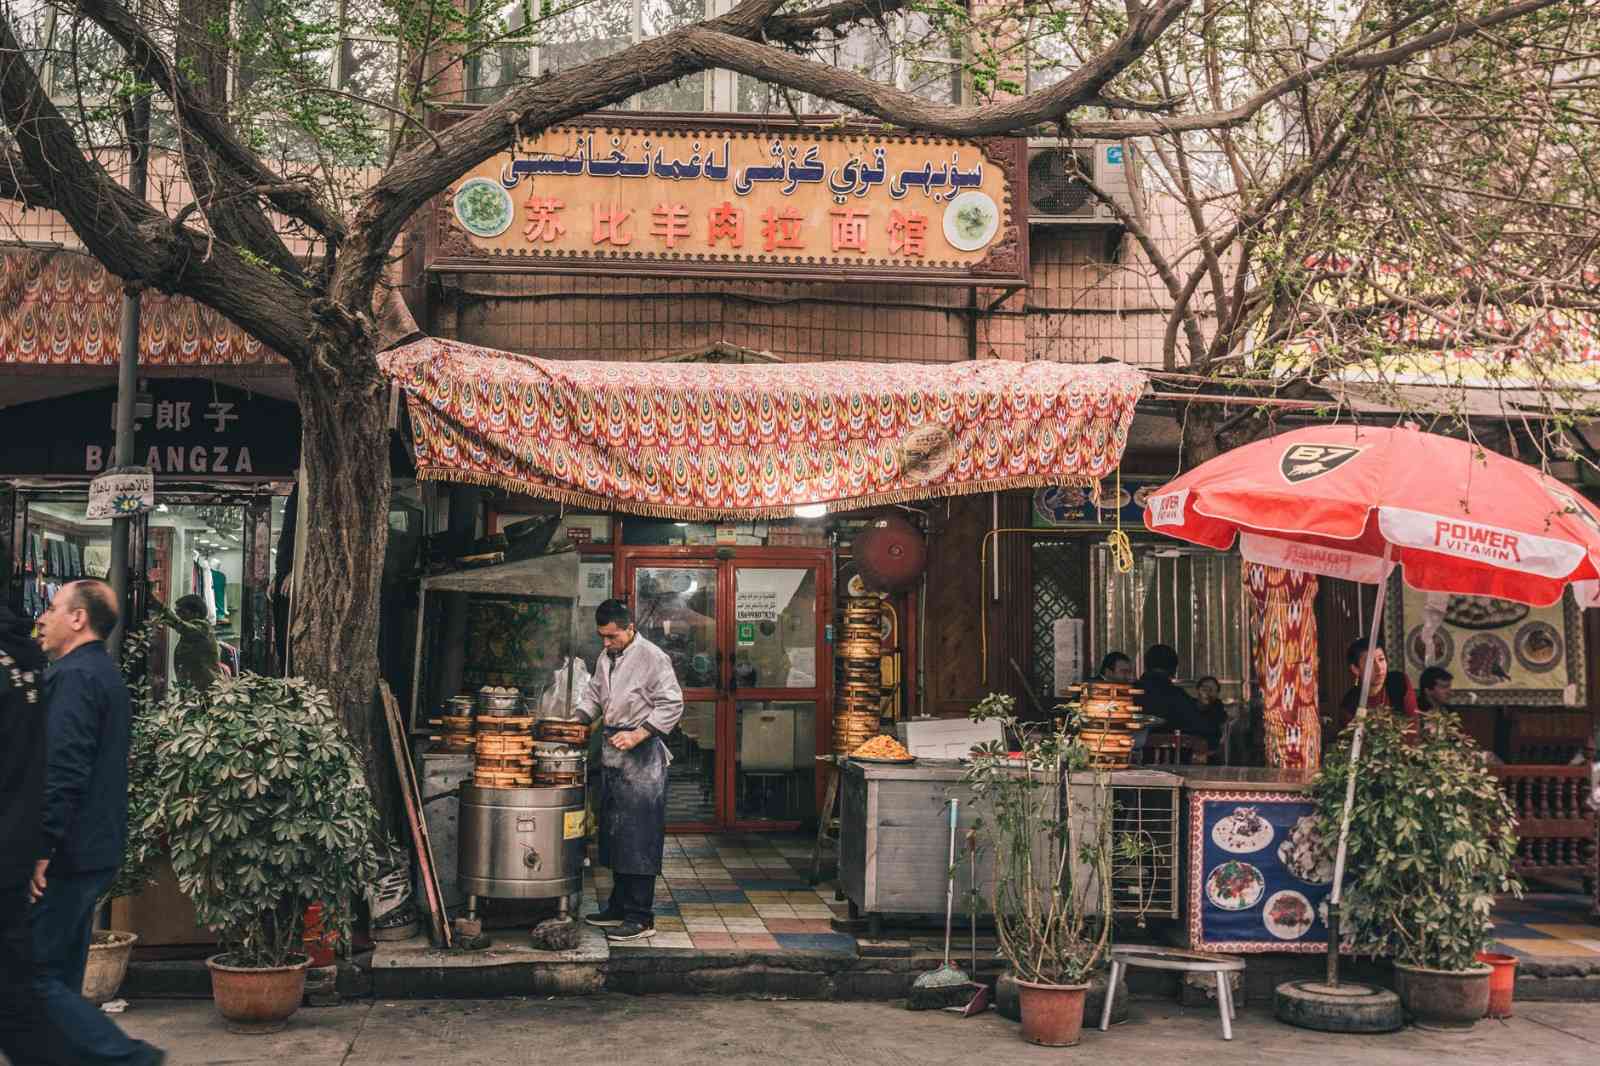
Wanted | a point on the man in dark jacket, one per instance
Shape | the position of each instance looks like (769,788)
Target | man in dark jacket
(1176,709)
(22,763)
(85,825)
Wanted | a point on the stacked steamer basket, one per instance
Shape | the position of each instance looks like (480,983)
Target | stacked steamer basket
(502,741)
(559,750)
(455,726)
(856,715)
(1109,722)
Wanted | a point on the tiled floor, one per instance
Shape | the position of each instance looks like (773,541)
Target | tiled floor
(739,892)
(1547,926)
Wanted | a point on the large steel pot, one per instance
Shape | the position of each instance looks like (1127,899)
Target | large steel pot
(521,843)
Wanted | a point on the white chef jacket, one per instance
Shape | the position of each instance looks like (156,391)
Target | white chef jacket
(638,689)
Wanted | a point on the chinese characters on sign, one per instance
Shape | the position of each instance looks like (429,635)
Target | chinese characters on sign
(742,197)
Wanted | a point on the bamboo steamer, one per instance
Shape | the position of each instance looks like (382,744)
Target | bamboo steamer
(504,724)
(861,649)
(561,731)
(488,779)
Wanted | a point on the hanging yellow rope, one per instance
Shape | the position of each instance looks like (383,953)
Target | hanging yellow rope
(1117,541)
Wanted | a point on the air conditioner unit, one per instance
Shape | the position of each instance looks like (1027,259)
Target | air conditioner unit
(1057,194)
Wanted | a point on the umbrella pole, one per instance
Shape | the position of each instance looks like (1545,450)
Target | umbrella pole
(1350,776)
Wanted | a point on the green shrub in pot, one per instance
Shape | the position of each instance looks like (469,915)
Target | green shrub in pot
(1052,868)
(1432,839)
(265,808)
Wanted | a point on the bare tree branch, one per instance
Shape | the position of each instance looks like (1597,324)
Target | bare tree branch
(132,239)
(296,199)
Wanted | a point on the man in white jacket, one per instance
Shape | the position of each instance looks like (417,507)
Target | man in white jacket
(636,691)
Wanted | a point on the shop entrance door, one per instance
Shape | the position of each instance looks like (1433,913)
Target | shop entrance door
(747,632)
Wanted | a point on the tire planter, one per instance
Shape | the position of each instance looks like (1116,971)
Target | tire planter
(257,999)
(1052,1015)
(109,952)
(1443,999)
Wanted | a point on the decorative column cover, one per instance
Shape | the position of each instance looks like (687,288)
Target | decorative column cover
(1283,623)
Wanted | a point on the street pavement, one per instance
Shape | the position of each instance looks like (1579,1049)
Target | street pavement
(697,1029)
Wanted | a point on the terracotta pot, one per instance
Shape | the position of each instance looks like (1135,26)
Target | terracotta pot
(1052,1015)
(108,965)
(257,999)
(1443,999)
(1502,984)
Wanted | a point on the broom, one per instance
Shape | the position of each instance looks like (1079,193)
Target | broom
(947,986)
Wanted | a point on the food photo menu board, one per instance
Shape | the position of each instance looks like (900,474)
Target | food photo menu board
(1259,878)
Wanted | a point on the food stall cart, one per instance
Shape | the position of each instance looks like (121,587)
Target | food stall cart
(894,838)
(494,668)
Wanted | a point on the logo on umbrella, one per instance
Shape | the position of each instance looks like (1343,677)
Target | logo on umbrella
(1302,462)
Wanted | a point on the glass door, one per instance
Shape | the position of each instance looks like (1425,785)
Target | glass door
(746,635)
(676,607)
(778,686)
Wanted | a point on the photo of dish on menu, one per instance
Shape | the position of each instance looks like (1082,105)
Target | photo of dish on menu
(1258,872)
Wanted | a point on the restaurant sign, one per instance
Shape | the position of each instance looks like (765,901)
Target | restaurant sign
(675,198)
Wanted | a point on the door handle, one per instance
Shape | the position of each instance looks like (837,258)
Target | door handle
(719,672)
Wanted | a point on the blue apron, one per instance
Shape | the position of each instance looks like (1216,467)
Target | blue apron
(633,805)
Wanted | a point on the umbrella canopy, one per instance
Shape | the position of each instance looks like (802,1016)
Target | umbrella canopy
(1335,500)
(1350,501)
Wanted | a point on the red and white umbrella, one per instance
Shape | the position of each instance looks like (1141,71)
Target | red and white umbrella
(1352,502)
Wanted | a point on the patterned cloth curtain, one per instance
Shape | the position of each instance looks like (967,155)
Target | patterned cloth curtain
(1283,623)
(699,442)
(62,308)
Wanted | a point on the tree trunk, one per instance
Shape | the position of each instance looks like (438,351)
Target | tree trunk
(1200,424)
(345,451)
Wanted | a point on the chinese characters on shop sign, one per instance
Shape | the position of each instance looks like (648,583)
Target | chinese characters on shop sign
(846,198)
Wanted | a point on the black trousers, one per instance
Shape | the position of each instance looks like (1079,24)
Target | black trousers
(634,897)
(17,1008)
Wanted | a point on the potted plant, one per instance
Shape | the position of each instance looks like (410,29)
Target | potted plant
(1051,856)
(1432,839)
(110,949)
(265,809)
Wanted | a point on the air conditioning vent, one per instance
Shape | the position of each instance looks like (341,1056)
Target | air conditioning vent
(1057,193)
(1055,185)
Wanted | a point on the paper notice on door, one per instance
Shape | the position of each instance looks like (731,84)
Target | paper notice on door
(1067,634)
(762,595)
(802,668)
(594,583)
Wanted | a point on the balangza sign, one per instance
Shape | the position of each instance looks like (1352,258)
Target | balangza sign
(680,199)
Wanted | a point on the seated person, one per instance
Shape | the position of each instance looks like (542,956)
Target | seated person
(1115,668)
(197,660)
(1433,689)
(1390,690)
(1174,708)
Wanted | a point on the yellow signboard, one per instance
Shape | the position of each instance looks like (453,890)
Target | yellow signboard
(680,199)
(572,825)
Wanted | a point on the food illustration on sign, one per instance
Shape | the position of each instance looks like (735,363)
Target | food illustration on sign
(1486,659)
(1242,832)
(1288,915)
(1538,647)
(1304,854)
(971,220)
(1235,886)
(1483,612)
(484,208)
(1443,647)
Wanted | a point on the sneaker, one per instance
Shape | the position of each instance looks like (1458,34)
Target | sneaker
(606,919)
(631,931)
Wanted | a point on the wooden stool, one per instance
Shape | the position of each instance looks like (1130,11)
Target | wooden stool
(1156,958)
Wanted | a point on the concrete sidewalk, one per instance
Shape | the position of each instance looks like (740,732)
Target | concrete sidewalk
(680,1029)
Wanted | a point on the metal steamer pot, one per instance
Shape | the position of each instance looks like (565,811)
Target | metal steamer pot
(521,843)
(500,706)
(557,764)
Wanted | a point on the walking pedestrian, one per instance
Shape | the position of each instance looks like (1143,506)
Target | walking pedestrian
(84,828)
(637,692)
(22,765)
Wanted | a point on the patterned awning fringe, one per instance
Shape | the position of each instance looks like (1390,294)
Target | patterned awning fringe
(709,442)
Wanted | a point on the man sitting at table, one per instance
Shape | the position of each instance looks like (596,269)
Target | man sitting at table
(1176,710)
